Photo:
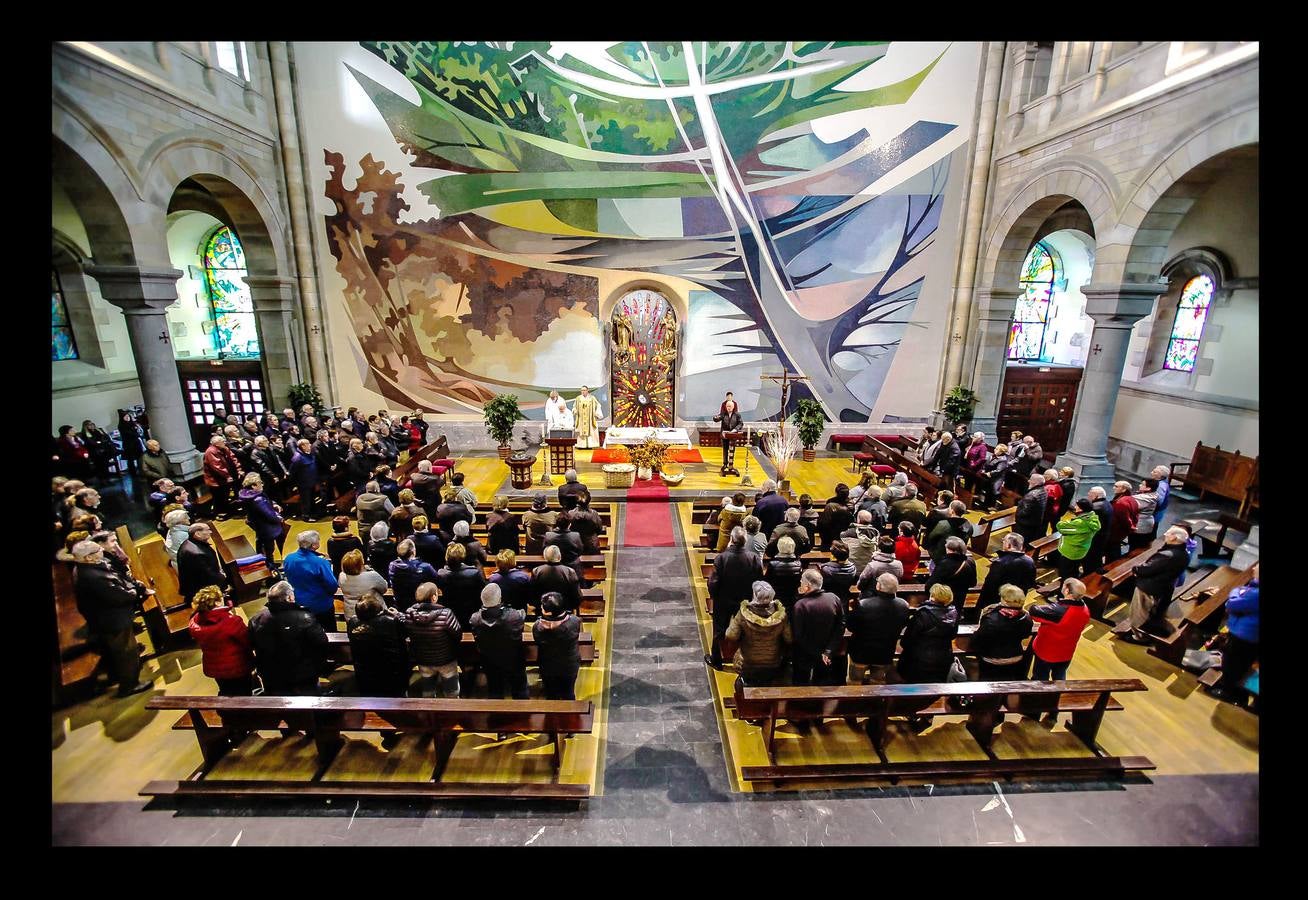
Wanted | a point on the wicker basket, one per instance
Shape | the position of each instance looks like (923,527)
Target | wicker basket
(619,475)
(673,473)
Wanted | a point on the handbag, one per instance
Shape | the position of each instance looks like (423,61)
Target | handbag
(956,672)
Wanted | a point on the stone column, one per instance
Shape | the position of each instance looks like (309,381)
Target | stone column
(143,294)
(274,299)
(1115,310)
(993,323)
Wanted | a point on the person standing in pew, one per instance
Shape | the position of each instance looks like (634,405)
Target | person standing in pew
(875,623)
(957,571)
(1146,500)
(991,477)
(835,516)
(817,626)
(1030,520)
(197,563)
(538,521)
(882,562)
(426,486)
(474,552)
(761,630)
(733,512)
(372,505)
(1126,513)
(264,518)
(428,544)
(381,548)
(1061,624)
(928,641)
(226,654)
(1078,534)
(553,575)
(460,494)
(909,509)
(808,516)
(407,572)
(872,503)
(1163,476)
(558,654)
(357,582)
(108,602)
(570,490)
(754,538)
(341,541)
(514,583)
(839,575)
(587,524)
(954,525)
(304,475)
(460,584)
(861,540)
(497,630)
(569,544)
(450,512)
(735,570)
(378,651)
(769,507)
(936,515)
(1241,641)
(907,550)
(1155,580)
(1010,566)
(290,645)
(310,573)
(502,528)
(1103,509)
(783,573)
(434,632)
(790,528)
(997,642)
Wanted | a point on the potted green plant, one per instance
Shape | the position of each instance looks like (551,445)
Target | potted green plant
(810,420)
(502,413)
(302,393)
(959,404)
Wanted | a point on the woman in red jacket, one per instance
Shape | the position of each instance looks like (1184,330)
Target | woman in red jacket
(907,550)
(1061,624)
(224,642)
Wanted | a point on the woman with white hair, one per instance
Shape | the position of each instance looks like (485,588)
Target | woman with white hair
(264,517)
(382,550)
(179,529)
(896,490)
(761,629)
(998,640)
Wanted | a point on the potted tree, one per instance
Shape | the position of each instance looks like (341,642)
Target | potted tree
(958,406)
(809,419)
(501,413)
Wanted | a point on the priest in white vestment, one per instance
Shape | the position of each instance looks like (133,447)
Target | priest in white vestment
(558,418)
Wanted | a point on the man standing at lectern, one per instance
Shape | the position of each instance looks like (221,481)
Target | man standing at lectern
(586,411)
(729,416)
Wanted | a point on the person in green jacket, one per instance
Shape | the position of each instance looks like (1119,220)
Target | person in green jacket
(1077,533)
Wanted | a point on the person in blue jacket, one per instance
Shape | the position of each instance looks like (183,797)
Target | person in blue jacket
(264,517)
(310,574)
(1241,643)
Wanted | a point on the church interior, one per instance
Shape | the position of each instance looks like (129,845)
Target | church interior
(697,344)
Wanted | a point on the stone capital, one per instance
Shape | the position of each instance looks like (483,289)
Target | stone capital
(137,290)
(995,305)
(271,293)
(1120,305)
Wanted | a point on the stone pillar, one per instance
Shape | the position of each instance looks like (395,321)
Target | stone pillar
(274,299)
(1115,310)
(993,323)
(143,294)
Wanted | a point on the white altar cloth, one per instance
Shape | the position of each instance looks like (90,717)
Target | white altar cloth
(676,437)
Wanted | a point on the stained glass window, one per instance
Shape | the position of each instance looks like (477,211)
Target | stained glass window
(234,333)
(1188,326)
(1026,337)
(62,345)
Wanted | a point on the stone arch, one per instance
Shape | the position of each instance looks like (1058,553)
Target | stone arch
(99,188)
(178,168)
(610,300)
(68,259)
(1174,180)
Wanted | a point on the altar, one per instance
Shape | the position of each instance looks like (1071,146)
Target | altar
(675,437)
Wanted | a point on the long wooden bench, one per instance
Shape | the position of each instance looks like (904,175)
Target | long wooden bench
(989,525)
(592,604)
(339,648)
(987,703)
(75,662)
(1212,470)
(245,585)
(1211,592)
(167,615)
(222,723)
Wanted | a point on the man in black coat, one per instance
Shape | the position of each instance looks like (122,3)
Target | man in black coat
(947,459)
(426,486)
(197,562)
(875,624)
(735,570)
(449,513)
(587,524)
(1103,508)
(290,647)
(839,575)
(304,475)
(552,575)
(108,602)
(1011,566)
(769,508)
(460,584)
(570,490)
(818,625)
(1031,510)
(1155,580)
(378,651)
(568,542)
(958,571)
(427,543)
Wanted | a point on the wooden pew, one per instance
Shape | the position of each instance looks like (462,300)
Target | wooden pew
(1099,587)
(592,604)
(1211,591)
(1042,548)
(1214,538)
(1212,470)
(991,524)
(75,662)
(339,648)
(222,723)
(152,608)
(245,585)
(987,705)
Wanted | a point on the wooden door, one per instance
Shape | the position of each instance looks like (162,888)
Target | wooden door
(1039,400)
(235,386)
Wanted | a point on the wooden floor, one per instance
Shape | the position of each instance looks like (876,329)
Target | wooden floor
(1182,729)
(106,749)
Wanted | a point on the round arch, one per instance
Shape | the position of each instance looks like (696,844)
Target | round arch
(679,303)
(112,241)
(1177,178)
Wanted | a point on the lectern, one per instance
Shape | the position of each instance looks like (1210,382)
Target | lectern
(561,454)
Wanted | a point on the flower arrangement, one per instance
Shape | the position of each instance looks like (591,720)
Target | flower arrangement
(781,445)
(621,454)
(649,454)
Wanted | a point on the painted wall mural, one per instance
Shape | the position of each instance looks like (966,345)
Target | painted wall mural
(796,184)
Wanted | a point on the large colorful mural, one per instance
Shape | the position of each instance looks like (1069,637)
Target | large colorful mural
(795,186)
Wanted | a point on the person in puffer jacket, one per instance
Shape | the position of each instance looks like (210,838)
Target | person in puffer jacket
(1241,641)
(407,572)
(999,636)
(762,631)
(1061,624)
(558,656)
(732,514)
(378,651)
(861,539)
(290,645)
(226,654)
(498,631)
(1077,533)
(928,641)
(434,635)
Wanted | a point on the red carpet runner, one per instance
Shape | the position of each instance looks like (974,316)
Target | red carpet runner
(649,515)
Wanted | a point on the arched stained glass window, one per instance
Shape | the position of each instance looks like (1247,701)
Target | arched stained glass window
(1188,326)
(234,333)
(1026,337)
(62,345)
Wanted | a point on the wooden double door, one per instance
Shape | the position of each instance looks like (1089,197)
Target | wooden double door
(236,386)
(1039,400)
